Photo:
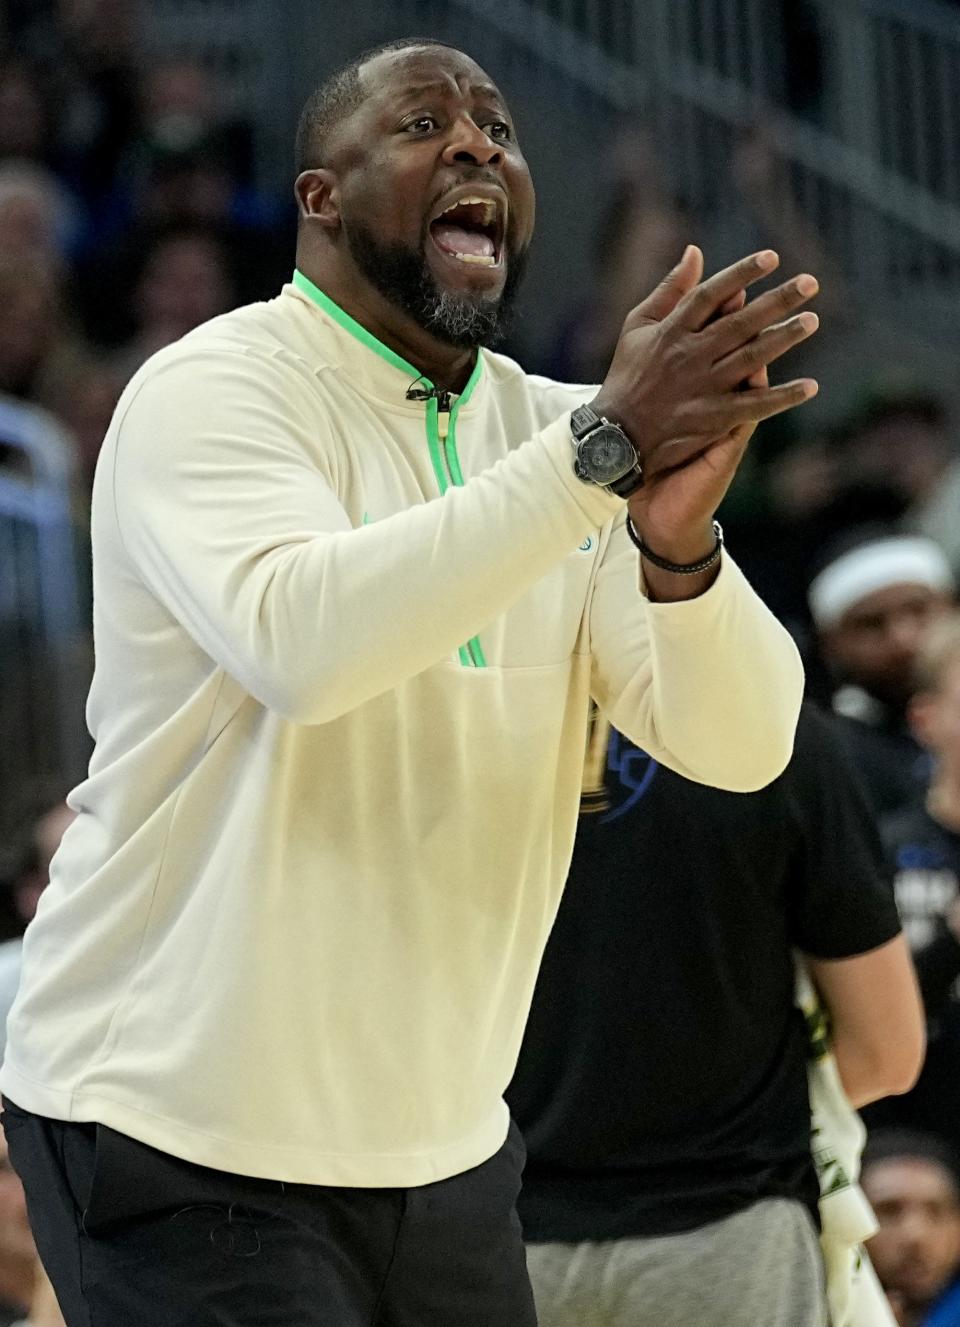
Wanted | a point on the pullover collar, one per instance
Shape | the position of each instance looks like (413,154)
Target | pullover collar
(381,372)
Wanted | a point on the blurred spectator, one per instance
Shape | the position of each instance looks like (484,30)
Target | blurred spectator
(901,439)
(36,333)
(924,842)
(897,441)
(26,120)
(30,880)
(873,602)
(887,461)
(638,240)
(24,1286)
(770,213)
(634,158)
(18,1254)
(911,1180)
(83,393)
(186,277)
(182,118)
(87,52)
(38,219)
(189,166)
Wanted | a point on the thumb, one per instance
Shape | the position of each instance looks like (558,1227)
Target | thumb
(671,290)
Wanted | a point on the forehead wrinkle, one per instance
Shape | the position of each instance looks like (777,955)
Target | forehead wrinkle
(444,85)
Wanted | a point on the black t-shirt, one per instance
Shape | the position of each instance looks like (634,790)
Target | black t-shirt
(893,766)
(926,863)
(662,1080)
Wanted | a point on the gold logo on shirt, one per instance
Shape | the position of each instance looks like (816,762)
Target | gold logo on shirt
(594,796)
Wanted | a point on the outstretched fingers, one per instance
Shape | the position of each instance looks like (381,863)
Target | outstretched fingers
(756,403)
(701,304)
(766,346)
(674,287)
(772,307)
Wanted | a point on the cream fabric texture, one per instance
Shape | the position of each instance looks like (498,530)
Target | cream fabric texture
(295,927)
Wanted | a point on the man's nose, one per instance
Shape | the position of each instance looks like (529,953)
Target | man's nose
(470,144)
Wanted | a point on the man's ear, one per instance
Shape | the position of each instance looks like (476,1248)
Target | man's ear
(318,197)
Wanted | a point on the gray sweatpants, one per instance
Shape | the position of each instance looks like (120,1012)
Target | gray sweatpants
(758,1268)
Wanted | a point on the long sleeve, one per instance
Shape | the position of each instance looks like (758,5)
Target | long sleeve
(224,507)
(710,687)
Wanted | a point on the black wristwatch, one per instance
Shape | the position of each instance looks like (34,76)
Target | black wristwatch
(603,454)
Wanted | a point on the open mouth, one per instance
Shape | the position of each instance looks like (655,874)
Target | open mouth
(470,230)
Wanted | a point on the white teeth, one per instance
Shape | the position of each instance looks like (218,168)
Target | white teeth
(488,205)
(485,259)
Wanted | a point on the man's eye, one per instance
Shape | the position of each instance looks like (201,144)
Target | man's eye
(423,124)
(498,129)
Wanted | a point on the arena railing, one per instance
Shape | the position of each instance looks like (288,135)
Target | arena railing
(874,163)
(44,633)
(872,155)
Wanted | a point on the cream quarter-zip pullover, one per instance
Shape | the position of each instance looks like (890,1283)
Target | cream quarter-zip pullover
(345,645)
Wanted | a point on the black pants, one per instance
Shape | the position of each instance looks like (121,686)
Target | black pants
(132,1237)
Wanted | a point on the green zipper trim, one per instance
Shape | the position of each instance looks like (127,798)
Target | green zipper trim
(352,326)
(445,449)
(471,654)
(453,461)
(436,446)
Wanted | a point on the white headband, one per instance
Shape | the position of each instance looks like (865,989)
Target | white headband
(901,560)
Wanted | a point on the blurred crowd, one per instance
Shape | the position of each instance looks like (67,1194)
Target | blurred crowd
(130,213)
(128,209)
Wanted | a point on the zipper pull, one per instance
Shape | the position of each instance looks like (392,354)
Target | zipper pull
(443,414)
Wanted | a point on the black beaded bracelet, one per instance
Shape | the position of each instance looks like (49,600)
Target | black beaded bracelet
(678,568)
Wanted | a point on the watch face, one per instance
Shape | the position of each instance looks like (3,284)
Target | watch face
(605,455)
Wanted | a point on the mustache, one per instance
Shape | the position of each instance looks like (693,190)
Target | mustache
(471,175)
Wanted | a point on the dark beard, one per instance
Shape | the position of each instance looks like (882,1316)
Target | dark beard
(401,275)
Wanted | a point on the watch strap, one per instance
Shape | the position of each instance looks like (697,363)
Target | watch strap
(584,420)
(628,483)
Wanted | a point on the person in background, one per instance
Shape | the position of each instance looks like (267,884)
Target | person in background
(872,602)
(185,279)
(900,436)
(18,1253)
(182,112)
(82,392)
(912,1183)
(27,1298)
(635,238)
(924,843)
(39,221)
(86,54)
(662,1083)
(26,114)
(30,880)
(37,339)
(26,1295)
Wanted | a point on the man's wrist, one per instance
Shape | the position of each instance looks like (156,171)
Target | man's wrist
(684,554)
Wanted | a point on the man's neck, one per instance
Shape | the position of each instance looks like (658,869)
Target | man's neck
(446,366)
